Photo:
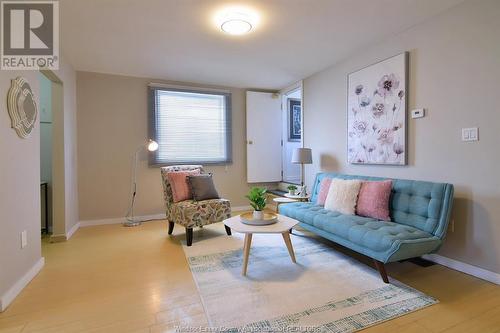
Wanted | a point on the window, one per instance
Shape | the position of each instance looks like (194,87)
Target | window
(190,126)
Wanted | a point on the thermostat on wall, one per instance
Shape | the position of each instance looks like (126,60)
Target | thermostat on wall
(417,113)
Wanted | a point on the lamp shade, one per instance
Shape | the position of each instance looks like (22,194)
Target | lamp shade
(152,145)
(302,156)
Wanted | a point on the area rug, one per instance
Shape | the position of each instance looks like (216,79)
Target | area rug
(325,291)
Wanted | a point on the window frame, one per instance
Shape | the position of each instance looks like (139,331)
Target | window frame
(154,160)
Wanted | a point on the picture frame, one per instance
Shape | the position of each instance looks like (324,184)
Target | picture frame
(377,112)
(294,119)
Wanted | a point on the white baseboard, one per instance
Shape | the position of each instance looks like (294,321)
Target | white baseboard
(72,230)
(16,289)
(119,220)
(464,268)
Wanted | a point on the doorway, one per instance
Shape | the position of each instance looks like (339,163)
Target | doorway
(52,167)
(291,132)
(45,153)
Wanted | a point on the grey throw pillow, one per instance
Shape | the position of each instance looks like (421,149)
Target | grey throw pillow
(202,187)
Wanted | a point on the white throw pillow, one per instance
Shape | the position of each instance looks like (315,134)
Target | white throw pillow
(343,195)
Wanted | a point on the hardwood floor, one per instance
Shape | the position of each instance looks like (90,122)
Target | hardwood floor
(116,279)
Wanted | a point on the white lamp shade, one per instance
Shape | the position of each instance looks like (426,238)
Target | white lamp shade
(302,156)
(152,145)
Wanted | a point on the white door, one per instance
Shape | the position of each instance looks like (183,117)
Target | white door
(263,137)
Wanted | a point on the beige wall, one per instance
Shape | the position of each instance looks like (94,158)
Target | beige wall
(112,123)
(20,194)
(455,75)
(20,179)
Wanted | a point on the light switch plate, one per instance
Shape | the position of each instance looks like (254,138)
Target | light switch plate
(470,134)
(418,113)
(24,239)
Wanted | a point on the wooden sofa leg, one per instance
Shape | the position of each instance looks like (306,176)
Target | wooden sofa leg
(381,269)
(228,230)
(189,236)
(170,227)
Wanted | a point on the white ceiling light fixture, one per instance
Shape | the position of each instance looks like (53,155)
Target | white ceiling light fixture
(236,20)
(236,26)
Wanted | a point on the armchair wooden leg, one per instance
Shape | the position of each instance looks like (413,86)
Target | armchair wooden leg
(170,227)
(228,230)
(189,236)
(381,269)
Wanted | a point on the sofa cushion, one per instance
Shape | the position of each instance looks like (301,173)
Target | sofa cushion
(179,184)
(373,200)
(378,236)
(191,213)
(324,187)
(343,195)
(203,187)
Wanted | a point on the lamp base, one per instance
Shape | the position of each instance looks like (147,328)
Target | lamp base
(131,223)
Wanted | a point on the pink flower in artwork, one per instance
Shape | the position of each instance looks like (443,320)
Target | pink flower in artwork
(378,110)
(387,85)
(386,136)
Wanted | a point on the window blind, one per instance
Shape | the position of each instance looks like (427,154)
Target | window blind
(191,127)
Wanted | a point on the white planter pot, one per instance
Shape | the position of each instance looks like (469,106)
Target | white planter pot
(258,215)
(292,192)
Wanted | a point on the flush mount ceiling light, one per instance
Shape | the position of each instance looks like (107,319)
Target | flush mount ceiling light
(236,25)
(236,20)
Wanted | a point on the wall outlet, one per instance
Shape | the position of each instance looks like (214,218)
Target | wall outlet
(24,239)
(470,134)
(418,113)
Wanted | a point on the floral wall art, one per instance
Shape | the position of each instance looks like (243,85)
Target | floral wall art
(377,111)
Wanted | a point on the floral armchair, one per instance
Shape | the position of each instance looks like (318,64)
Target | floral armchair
(190,213)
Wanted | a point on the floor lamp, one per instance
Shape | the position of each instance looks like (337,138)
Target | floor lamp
(130,220)
(302,156)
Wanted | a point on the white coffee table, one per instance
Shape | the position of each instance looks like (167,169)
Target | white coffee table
(283,227)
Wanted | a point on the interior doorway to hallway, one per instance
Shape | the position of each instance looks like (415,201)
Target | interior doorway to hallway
(52,168)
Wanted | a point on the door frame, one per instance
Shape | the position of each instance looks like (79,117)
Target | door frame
(58,154)
(299,85)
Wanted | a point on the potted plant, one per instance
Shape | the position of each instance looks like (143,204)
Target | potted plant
(258,198)
(292,189)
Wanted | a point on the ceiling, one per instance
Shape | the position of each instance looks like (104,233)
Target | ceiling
(178,40)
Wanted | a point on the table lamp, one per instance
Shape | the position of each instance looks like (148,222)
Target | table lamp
(302,156)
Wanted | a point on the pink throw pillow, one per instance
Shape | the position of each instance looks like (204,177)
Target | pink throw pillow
(179,184)
(373,200)
(324,186)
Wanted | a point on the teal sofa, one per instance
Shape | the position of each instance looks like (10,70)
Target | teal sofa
(419,210)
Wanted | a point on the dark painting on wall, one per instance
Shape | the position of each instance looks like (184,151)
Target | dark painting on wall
(294,120)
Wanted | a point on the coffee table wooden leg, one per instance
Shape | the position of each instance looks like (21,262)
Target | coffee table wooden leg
(246,253)
(288,242)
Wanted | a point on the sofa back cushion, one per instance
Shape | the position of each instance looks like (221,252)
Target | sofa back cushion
(420,204)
